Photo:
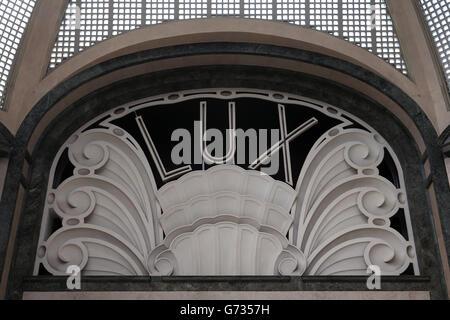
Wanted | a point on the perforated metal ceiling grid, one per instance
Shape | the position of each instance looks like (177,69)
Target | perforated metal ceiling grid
(437,14)
(14,16)
(365,23)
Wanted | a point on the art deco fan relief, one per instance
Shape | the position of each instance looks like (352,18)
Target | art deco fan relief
(224,220)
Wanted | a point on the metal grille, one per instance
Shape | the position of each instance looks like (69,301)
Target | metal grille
(325,16)
(437,14)
(292,11)
(14,16)
(193,9)
(387,44)
(258,9)
(127,15)
(159,11)
(356,27)
(65,46)
(225,8)
(366,23)
(95,22)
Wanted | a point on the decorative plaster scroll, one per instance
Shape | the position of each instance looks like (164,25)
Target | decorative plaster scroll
(108,208)
(343,209)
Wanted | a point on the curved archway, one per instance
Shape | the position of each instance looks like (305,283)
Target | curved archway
(219,30)
(262,78)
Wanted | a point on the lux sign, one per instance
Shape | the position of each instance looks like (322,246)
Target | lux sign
(211,141)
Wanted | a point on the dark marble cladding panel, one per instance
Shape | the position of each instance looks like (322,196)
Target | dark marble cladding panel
(224,76)
(238,283)
(6,140)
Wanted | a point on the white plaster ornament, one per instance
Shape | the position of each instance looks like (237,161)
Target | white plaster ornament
(225,220)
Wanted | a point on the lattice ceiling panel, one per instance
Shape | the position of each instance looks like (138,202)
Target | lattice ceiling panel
(192,9)
(292,11)
(366,23)
(387,44)
(14,17)
(355,27)
(225,8)
(158,11)
(437,14)
(127,15)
